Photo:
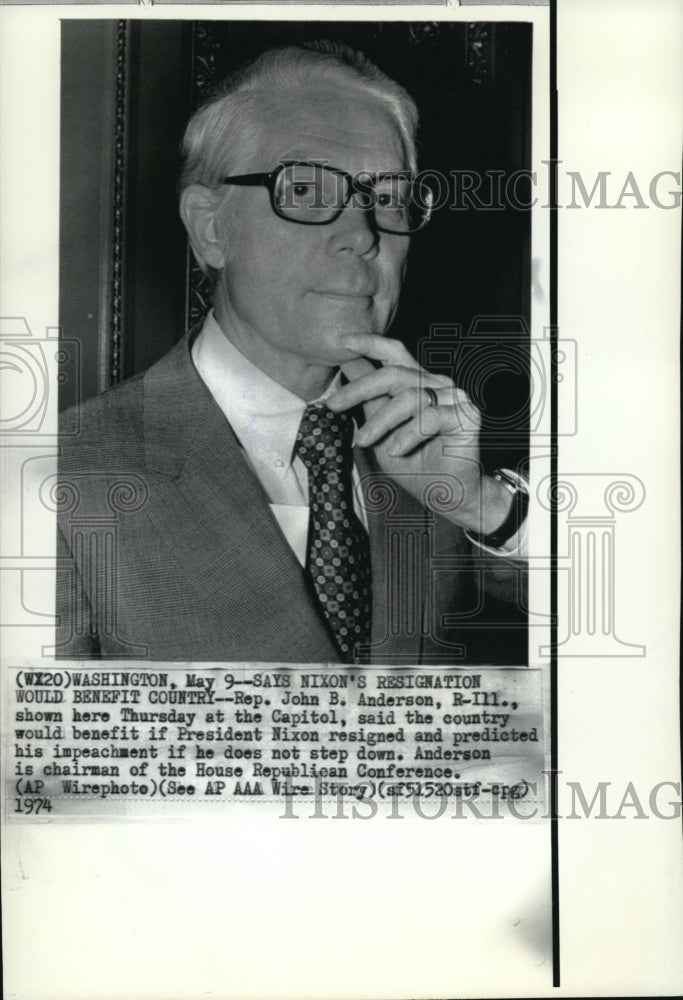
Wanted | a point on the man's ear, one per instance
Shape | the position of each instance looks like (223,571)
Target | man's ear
(198,210)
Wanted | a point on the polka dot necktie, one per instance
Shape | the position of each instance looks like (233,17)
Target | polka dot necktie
(338,546)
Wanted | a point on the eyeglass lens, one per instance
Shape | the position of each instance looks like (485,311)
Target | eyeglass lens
(311,193)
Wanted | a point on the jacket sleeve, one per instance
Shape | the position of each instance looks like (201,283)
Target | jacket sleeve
(504,571)
(501,576)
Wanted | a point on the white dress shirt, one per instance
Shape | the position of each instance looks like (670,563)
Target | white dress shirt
(265,418)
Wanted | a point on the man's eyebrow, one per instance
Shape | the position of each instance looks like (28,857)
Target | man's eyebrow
(297,157)
(305,155)
(300,153)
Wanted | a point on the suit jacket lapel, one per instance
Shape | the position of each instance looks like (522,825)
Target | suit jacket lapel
(215,515)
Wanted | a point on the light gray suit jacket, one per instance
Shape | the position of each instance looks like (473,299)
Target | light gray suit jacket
(169,550)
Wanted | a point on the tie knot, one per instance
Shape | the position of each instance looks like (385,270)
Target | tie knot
(323,437)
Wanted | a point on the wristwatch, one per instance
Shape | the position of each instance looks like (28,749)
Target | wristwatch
(516,515)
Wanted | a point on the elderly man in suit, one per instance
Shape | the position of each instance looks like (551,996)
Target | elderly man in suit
(287,484)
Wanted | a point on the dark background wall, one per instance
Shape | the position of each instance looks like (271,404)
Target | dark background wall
(128,288)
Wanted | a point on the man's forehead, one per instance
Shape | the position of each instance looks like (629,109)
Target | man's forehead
(322,122)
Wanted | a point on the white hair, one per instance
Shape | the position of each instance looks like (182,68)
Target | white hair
(230,123)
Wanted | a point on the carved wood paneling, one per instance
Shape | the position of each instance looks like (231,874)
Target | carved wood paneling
(206,47)
(478,53)
(115,349)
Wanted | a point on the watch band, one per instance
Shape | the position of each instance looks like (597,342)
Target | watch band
(516,515)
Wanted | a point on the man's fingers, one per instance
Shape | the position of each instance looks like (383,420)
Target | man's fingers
(398,411)
(380,382)
(357,368)
(401,425)
(387,418)
(384,349)
(419,430)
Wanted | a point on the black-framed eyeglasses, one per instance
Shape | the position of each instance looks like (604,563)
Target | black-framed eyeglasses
(315,194)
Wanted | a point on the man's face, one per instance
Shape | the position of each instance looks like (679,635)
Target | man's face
(288,293)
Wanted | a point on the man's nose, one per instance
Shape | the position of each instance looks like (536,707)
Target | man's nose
(354,231)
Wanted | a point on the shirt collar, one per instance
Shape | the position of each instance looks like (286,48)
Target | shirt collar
(264,415)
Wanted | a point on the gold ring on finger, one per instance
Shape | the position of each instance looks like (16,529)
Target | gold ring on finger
(432,396)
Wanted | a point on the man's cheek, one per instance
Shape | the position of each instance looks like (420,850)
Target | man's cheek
(384,312)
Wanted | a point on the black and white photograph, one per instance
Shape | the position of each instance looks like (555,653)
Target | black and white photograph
(261,487)
(339,569)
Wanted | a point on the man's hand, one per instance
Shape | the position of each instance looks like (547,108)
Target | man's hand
(416,441)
